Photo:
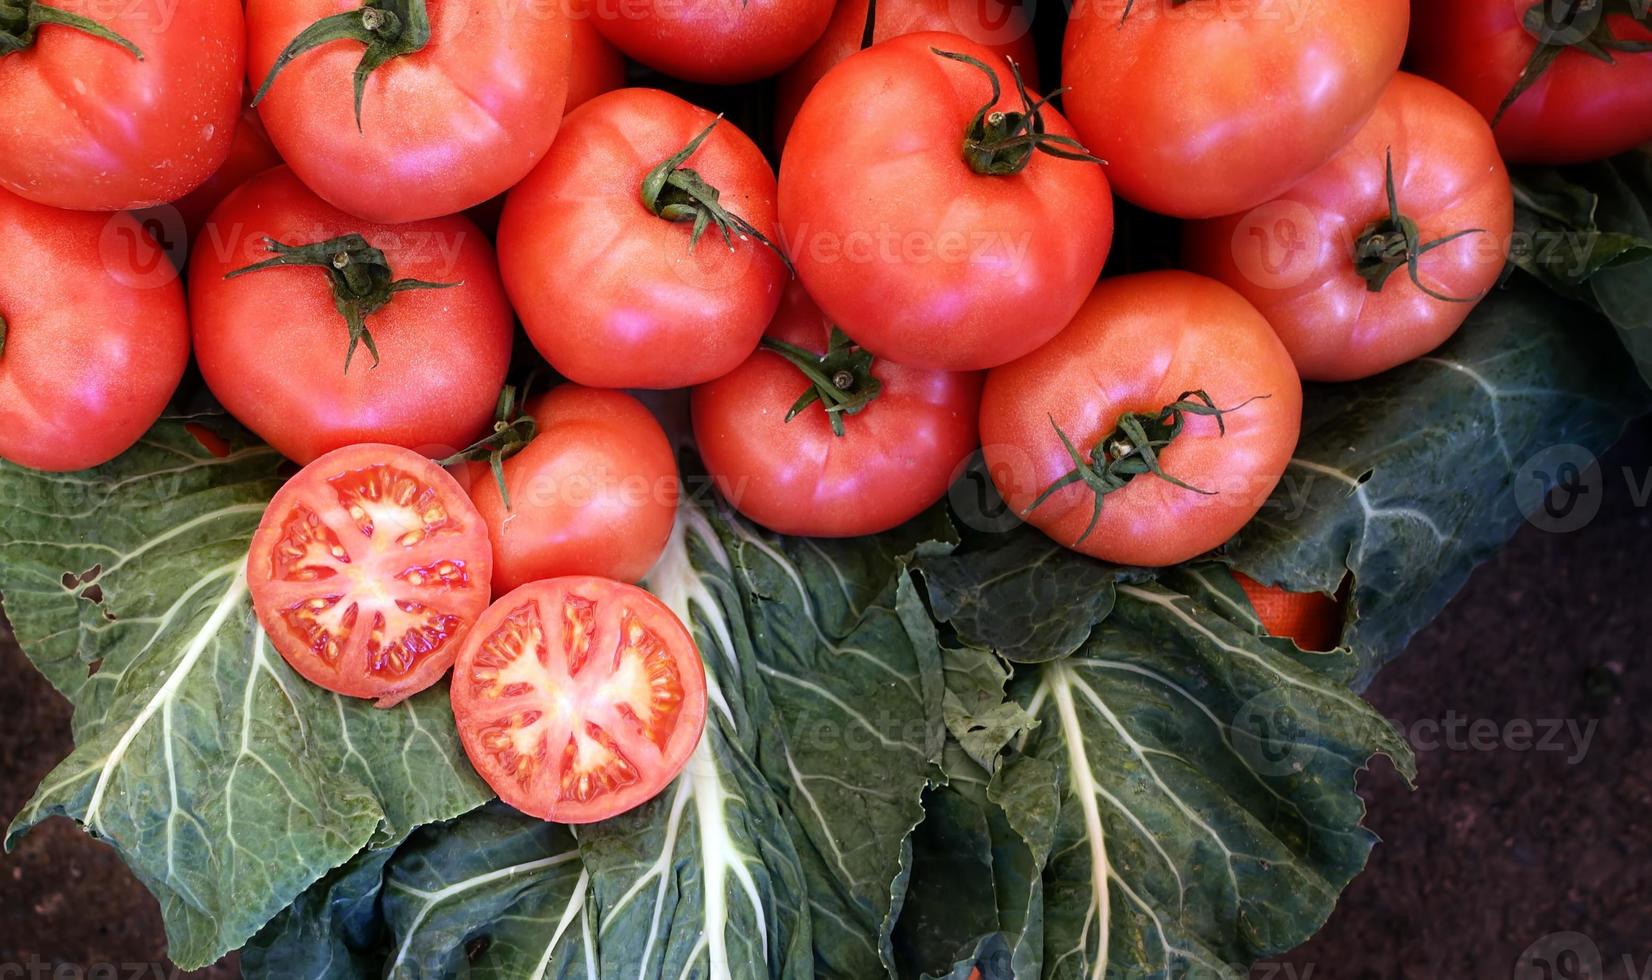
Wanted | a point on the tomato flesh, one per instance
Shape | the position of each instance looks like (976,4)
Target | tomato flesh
(367,570)
(1312,620)
(578,698)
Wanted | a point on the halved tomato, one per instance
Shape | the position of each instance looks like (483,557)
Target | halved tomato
(367,570)
(579,698)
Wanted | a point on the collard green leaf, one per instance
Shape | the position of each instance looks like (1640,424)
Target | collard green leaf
(1205,813)
(1408,479)
(1586,232)
(1021,594)
(226,781)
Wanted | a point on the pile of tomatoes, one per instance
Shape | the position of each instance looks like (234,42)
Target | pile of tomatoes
(377,193)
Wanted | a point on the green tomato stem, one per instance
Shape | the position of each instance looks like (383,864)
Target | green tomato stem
(998,143)
(21,20)
(841,379)
(1395,242)
(387,29)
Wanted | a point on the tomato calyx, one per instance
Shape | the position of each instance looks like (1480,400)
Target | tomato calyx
(1579,25)
(841,379)
(513,429)
(998,144)
(359,275)
(1395,242)
(1132,449)
(676,193)
(20,21)
(387,28)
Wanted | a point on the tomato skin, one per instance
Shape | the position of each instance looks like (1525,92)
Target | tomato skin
(611,294)
(1448,178)
(1312,620)
(90,127)
(1216,106)
(1580,109)
(895,459)
(1002,27)
(717,43)
(919,258)
(594,493)
(442,129)
(425,546)
(570,695)
(97,335)
(272,344)
(250,154)
(1138,344)
(595,66)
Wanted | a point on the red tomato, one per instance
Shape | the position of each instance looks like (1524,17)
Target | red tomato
(896,456)
(1140,345)
(367,570)
(596,66)
(1304,259)
(94,336)
(579,698)
(1581,108)
(90,126)
(925,255)
(713,41)
(1311,620)
(612,293)
(997,24)
(448,121)
(250,153)
(1211,107)
(278,353)
(594,493)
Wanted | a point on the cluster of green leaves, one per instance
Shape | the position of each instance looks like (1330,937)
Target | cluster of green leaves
(956,746)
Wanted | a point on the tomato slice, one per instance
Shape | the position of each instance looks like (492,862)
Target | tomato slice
(579,698)
(367,570)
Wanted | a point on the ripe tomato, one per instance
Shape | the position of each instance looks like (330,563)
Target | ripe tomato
(1001,26)
(1142,345)
(579,698)
(927,256)
(367,569)
(713,40)
(617,295)
(594,493)
(94,335)
(464,104)
(1312,620)
(905,431)
(90,126)
(250,153)
(1326,262)
(596,66)
(1210,107)
(278,351)
(1579,108)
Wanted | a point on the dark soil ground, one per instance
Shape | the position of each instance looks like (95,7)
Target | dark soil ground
(1502,845)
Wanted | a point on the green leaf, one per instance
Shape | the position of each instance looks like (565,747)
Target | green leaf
(1207,814)
(1586,232)
(228,783)
(781,850)
(1021,594)
(1408,479)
